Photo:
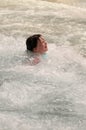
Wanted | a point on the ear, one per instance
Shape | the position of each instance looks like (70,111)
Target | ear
(35,49)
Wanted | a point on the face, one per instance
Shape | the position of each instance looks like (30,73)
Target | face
(41,46)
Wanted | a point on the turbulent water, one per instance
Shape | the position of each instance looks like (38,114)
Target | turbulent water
(52,94)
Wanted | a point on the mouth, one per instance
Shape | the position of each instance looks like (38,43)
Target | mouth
(45,46)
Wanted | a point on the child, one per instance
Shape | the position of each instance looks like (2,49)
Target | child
(38,45)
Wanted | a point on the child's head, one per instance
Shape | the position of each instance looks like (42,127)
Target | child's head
(36,43)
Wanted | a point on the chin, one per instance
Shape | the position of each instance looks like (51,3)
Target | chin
(46,49)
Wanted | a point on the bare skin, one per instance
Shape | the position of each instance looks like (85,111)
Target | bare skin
(41,46)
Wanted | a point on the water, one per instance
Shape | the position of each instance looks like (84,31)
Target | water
(52,94)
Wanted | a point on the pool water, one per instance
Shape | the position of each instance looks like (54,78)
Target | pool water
(50,95)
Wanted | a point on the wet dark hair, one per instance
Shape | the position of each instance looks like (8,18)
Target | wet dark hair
(31,41)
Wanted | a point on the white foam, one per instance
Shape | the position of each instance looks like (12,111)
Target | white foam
(48,95)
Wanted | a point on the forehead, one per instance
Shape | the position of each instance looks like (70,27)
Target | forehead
(41,39)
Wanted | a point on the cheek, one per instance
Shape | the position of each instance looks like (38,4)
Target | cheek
(41,47)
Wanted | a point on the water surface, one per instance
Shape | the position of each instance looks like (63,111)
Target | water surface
(52,94)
